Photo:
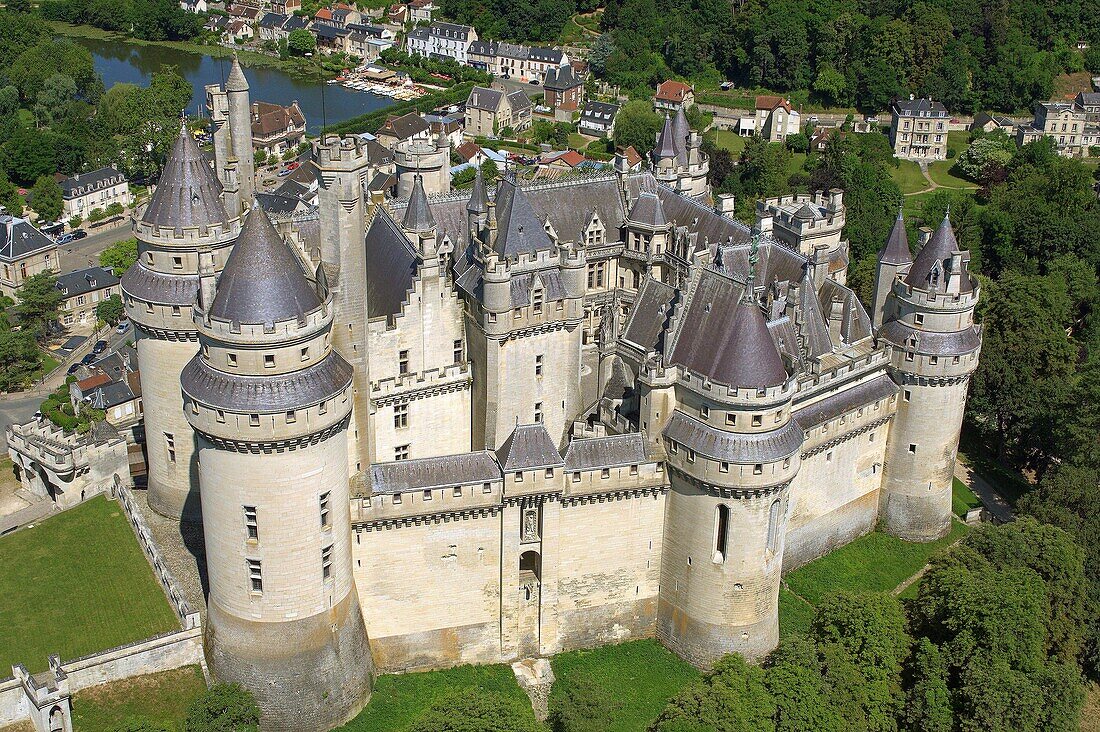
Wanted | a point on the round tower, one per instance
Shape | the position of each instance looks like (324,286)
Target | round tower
(431,159)
(678,160)
(240,124)
(184,218)
(933,345)
(270,401)
(733,451)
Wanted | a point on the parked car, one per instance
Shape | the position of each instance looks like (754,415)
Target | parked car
(99,347)
(123,326)
(813,119)
(72,236)
(535,82)
(89,359)
(294,165)
(73,369)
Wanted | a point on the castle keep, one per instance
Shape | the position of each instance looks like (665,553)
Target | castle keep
(484,425)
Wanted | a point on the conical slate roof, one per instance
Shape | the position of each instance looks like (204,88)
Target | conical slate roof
(236,81)
(479,198)
(263,281)
(188,193)
(519,229)
(805,213)
(896,249)
(680,131)
(418,215)
(752,360)
(666,142)
(938,249)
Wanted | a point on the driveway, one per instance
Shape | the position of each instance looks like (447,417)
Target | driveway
(85,252)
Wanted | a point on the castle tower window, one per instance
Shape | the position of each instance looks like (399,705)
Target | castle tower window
(908,355)
(269,360)
(397,499)
(605,473)
(322,408)
(721,529)
(253,420)
(908,395)
(291,417)
(919,318)
(536,300)
(912,448)
(731,418)
(323,506)
(427,495)
(251,525)
(400,416)
(255,575)
(779,416)
(538,412)
(691,455)
(486,488)
(457,492)
(175,311)
(177,262)
(576,476)
(723,467)
(326,562)
(757,420)
(786,463)
(538,365)
(633,469)
(549,473)
(305,353)
(231,360)
(933,360)
(170,446)
(758,469)
(402,362)
(220,416)
(401,452)
(492,317)
(773,526)
(459,352)
(704,412)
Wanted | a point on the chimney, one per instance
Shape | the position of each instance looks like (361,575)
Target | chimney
(763,223)
(836,200)
(725,204)
(924,234)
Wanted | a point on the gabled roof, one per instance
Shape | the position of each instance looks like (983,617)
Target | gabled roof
(771,102)
(484,98)
(935,253)
(529,446)
(19,238)
(391,266)
(561,78)
(599,112)
(519,229)
(83,281)
(84,183)
(188,193)
(263,280)
(896,250)
(648,210)
(434,472)
(673,91)
(913,107)
(405,126)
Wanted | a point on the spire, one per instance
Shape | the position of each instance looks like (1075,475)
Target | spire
(680,131)
(479,199)
(938,249)
(519,229)
(236,81)
(263,280)
(896,249)
(188,194)
(666,142)
(418,215)
(752,360)
(750,280)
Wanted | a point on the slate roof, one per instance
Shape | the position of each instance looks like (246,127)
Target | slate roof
(919,107)
(928,342)
(896,250)
(727,340)
(188,193)
(666,142)
(278,203)
(648,210)
(519,229)
(162,289)
(649,314)
(937,250)
(272,20)
(734,447)
(844,401)
(529,446)
(263,280)
(266,394)
(83,281)
(82,184)
(479,199)
(405,126)
(598,113)
(518,100)
(434,472)
(19,238)
(484,98)
(605,452)
(418,214)
(391,265)
(561,78)
(109,395)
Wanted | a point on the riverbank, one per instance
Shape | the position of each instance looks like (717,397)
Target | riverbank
(297,67)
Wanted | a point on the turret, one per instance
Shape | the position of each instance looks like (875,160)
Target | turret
(419,224)
(477,209)
(270,402)
(183,224)
(733,450)
(240,122)
(893,259)
(933,344)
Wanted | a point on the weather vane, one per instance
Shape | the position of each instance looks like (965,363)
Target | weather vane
(754,257)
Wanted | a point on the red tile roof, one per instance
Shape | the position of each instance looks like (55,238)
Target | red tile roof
(770,102)
(93,381)
(673,91)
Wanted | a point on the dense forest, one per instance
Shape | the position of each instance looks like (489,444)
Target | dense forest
(151,20)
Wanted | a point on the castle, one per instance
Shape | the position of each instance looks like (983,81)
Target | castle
(515,420)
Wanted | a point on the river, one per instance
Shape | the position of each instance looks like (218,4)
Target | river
(118,61)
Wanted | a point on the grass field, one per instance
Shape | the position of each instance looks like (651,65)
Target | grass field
(161,698)
(873,563)
(940,171)
(963,499)
(642,675)
(75,584)
(795,613)
(398,699)
(909,177)
(729,140)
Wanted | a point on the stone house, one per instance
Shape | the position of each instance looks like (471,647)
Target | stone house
(1090,103)
(441,40)
(368,41)
(84,192)
(82,290)
(285,7)
(24,252)
(564,91)
(1066,123)
(490,111)
(672,95)
(270,27)
(597,118)
(407,127)
(986,122)
(775,119)
(918,129)
(421,11)
(515,60)
(276,129)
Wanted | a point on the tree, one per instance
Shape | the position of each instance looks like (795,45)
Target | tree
(46,198)
(110,311)
(928,705)
(730,698)
(802,698)
(992,149)
(584,706)
(475,710)
(9,196)
(636,124)
(39,300)
(19,358)
(115,209)
(300,42)
(223,708)
(489,170)
(601,50)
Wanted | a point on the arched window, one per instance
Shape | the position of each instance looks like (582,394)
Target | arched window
(773,527)
(721,529)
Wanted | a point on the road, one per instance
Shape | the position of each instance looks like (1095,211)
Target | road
(85,252)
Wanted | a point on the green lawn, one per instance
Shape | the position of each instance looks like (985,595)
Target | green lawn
(797,161)
(729,140)
(940,171)
(398,699)
(963,499)
(642,675)
(49,363)
(75,584)
(577,141)
(160,698)
(795,614)
(958,141)
(873,563)
(909,177)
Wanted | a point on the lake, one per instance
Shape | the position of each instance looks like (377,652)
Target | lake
(118,61)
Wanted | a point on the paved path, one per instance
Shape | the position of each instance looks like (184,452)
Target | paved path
(85,252)
(993,501)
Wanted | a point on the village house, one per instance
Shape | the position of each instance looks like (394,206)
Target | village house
(369,41)
(277,129)
(774,120)
(441,40)
(119,399)
(1064,122)
(471,153)
(409,126)
(84,192)
(918,129)
(330,38)
(24,252)
(672,95)
(1090,103)
(238,31)
(285,7)
(515,61)
(270,27)
(193,6)
(449,127)
(82,290)
(597,118)
(421,11)
(563,161)
(489,111)
(984,122)
(564,91)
